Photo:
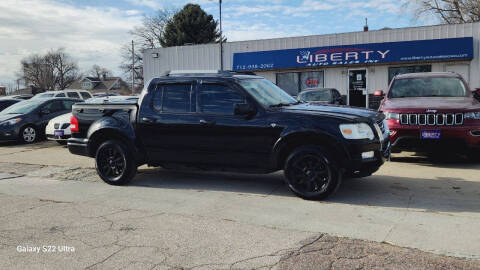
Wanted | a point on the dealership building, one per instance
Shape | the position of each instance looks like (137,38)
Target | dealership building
(356,64)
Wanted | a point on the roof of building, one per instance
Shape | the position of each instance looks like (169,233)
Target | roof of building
(101,84)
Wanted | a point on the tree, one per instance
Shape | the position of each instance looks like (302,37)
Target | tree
(65,69)
(450,11)
(191,25)
(126,65)
(98,72)
(55,70)
(149,35)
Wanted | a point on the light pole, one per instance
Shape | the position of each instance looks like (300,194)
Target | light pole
(133,69)
(221,35)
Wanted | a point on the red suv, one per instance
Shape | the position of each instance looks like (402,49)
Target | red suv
(429,109)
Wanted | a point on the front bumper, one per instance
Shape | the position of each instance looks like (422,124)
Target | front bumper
(409,138)
(78,146)
(9,133)
(366,166)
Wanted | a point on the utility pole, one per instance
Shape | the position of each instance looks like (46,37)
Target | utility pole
(133,69)
(221,36)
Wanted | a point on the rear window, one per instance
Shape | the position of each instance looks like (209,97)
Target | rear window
(73,95)
(428,87)
(60,95)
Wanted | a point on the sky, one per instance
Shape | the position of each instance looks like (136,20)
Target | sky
(93,31)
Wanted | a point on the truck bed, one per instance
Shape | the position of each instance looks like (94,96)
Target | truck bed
(88,113)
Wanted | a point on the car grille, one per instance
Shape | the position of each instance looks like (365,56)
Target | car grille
(56,126)
(432,119)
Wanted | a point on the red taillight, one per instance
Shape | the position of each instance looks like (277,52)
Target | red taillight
(74,124)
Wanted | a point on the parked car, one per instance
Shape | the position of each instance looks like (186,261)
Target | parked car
(80,94)
(322,95)
(25,121)
(58,129)
(7,102)
(21,96)
(226,121)
(432,110)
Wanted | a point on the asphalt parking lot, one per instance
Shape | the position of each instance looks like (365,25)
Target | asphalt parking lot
(417,212)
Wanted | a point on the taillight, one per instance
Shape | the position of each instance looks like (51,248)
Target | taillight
(74,124)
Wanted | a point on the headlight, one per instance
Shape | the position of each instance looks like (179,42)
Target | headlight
(472,115)
(11,122)
(391,115)
(357,131)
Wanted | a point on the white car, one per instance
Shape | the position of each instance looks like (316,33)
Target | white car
(80,94)
(58,129)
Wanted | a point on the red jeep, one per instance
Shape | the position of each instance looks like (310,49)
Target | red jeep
(429,109)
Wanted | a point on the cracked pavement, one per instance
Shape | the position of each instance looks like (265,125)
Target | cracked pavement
(410,215)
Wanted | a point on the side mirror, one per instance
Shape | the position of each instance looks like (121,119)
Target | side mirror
(378,93)
(244,109)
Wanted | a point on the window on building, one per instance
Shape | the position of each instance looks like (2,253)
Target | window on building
(394,71)
(295,82)
(219,99)
(174,98)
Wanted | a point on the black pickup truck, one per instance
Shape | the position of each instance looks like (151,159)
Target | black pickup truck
(231,122)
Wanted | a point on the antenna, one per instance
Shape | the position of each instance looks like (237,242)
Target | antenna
(365,28)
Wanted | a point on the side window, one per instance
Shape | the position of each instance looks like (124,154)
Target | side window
(85,95)
(219,99)
(174,98)
(54,106)
(60,95)
(73,94)
(67,104)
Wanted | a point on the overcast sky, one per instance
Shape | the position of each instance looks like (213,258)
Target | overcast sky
(93,31)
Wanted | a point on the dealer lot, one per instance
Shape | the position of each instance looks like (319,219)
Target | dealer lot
(167,219)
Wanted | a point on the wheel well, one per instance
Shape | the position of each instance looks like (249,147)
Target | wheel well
(99,137)
(330,145)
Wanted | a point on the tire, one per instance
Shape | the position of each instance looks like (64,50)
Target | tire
(473,155)
(312,173)
(28,134)
(115,163)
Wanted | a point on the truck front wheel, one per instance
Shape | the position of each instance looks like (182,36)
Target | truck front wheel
(312,173)
(115,163)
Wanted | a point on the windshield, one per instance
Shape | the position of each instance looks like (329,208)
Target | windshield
(21,107)
(427,87)
(321,95)
(45,95)
(267,93)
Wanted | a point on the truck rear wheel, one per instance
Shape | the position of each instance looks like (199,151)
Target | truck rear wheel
(312,173)
(115,163)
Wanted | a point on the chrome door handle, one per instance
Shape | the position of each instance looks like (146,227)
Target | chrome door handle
(147,120)
(205,122)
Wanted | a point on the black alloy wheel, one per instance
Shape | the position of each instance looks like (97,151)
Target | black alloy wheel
(114,163)
(311,174)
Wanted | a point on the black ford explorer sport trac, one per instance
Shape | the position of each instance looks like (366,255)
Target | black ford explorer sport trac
(233,122)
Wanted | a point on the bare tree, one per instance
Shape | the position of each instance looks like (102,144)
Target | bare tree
(37,72)
(126,65)
(65,70)
(146,36)
(98,72)
(55,70)
(450,11)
